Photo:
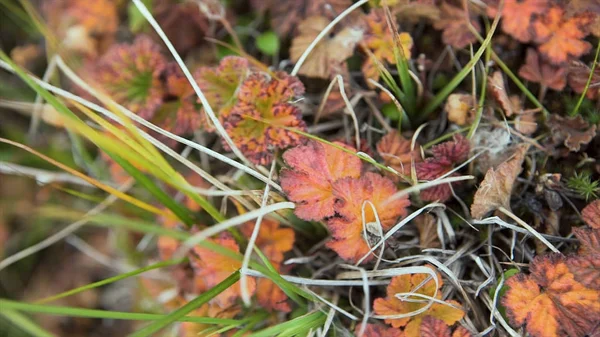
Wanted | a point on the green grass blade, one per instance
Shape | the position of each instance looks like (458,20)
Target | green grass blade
(110,280)
(449,88)
(587,84)
(293,327)
(188,307)
(105,314)
(24,323)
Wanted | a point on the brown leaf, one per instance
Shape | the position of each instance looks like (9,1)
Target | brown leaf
(498,91)
(496,188)
(328,53)
(427,227)
(572,131)
(538,71)
(453,21)
(579,74)
(287,14)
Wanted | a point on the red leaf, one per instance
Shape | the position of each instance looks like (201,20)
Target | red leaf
(376,330)
(591,214)
(314,168)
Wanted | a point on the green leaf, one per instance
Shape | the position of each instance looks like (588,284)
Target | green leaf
(294,327)
(507,274)
(7,305)
(153,328)
(23,322)
(391,111)
(137,22)
(268,43)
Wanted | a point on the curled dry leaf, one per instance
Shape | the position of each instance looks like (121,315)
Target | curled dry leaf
(427,227)
(329,53)
(314,168)
(406,284)
(376,330)
(352,194)
(562,39)
(538,71)
(496,188)
(433,327)
(453,21)
(549,301)
(460,108)
(579,74)
(517,16)
(497,89)
(396,153)
(572,131)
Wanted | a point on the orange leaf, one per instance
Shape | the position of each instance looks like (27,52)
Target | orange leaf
(496,188)
(549,301)
(351,194)
(392,305)
(376,330)
(561,38)
(517,16)
(433,327)
(327,54)
(380,41)
(272,240)
(314,168)
(212,268)
(591,214)
(271,297)
(256,123)
(396,153)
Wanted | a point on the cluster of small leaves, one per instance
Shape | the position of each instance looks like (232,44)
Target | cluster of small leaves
(328,183)
(561,295)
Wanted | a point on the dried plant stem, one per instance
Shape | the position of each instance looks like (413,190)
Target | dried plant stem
(529,228)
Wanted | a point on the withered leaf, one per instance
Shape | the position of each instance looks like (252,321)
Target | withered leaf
(453,21)
(579,74)
(496,188)
(538,71)
(591,214)
(572,131)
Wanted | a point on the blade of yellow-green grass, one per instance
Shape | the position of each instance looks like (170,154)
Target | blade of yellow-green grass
(294,327)
(110,280)
(588,83)
(24,323)
(479,113)
(449,88)
(104,314)
(182,212)
(188,307)
(92,181)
